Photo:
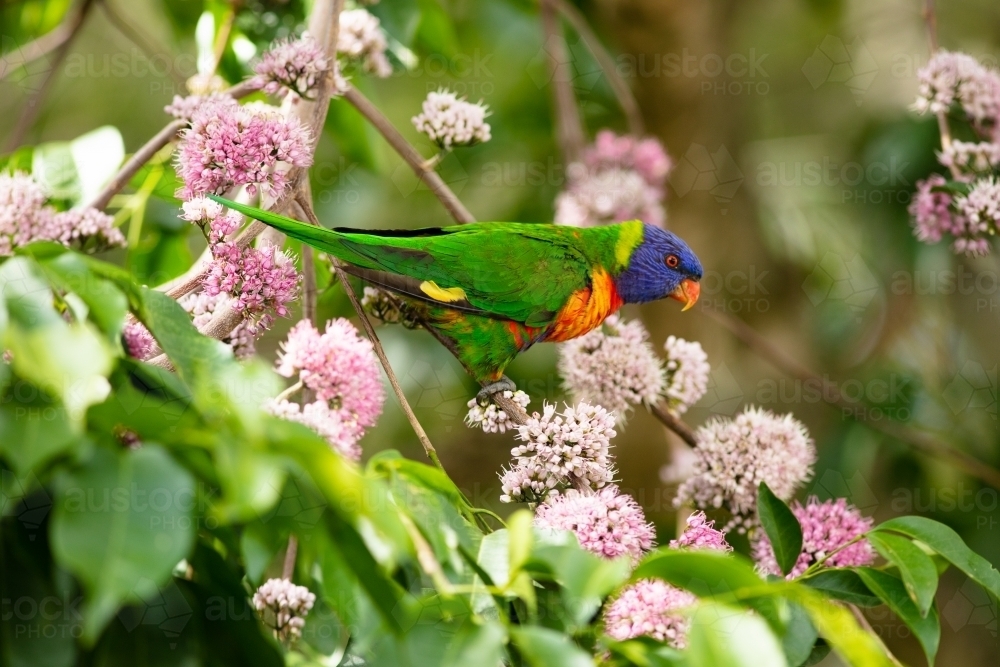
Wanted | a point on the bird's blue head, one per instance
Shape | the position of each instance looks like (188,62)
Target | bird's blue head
(661,265)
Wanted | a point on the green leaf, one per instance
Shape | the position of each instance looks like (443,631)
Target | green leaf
(947,542)
(476,645)
(839,628)
(77,170)
(800,636)
(891,590)
(35,429)
(781,527)
(919,573)
(120,524)
(436,31)
(842,584)
(106,305)
(542,647)
(723,636)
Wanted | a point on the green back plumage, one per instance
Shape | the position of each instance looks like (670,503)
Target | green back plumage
(517,271)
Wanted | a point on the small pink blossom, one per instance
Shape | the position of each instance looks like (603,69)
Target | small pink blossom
(231,145)
(608,196)
(931,210)
(606,522)
(294,65)
(340,431)
(650,608)
(701,534)
(979,217)
(138,341)
(826,526)
(361,38)
(644,156)
(261,281)
(283,607)
(687,372)
(450,121)
(950,78)
(339,366)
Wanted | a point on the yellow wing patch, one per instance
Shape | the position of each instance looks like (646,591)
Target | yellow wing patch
(443,294)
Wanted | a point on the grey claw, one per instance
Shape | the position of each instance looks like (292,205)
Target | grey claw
(485,395)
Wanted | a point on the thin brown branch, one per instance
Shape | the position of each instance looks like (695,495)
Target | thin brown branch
(674,423)
(36,101)
(569,126)
(288,567)
(409,154)
(147,44)
(626,99)
(44,45)
(918,440)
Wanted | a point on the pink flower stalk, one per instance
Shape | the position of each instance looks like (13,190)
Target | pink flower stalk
(184,108)
(735,456)
(826,526)
(361,38)
(260,280)
(608,196)
(644,156)
(491,418)
(687,371)
(701,534)
(283,607)
(951,78)
(138,341)
(339,431)
(24,218)
(560,450)
(231,145)
(294,65)
(339,366)
(613,366)
(606,522)
(203,307)
(979,219)
(650,608)
(450,121)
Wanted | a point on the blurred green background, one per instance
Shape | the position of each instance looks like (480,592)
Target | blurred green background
(795,156)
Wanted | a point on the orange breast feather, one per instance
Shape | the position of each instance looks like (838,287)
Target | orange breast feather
(586,308)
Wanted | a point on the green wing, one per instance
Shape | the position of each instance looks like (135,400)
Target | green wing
(517,271)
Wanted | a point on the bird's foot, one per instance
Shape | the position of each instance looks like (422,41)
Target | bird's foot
(486,394)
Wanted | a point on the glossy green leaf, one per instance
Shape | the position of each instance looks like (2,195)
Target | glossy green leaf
(947,542)
(476,644)
(724,636)
(781,526)
(799,637)
(842,584)
(917,569)
(839,628)
(120,524)
(892,591)
(541,647)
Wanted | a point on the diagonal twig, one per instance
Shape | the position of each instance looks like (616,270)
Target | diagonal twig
(569,126)
(624,94)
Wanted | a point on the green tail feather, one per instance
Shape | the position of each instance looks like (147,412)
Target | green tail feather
(317,237)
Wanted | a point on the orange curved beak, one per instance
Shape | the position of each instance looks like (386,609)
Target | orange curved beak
(687,293)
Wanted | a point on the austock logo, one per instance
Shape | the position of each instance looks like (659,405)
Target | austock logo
(557,60)
(973,387)
(166,608)
(833,61)
(724,395)
(701,170)
(24,499)
(971,606)
(834,279)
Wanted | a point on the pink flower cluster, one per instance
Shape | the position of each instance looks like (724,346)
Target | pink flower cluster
(294,65)
(971,219)
(25,217)
(619,178)
(606,522)
(734,456)
(700,533)
(283,607)
(950,78)
(687,370)
(137,340)
(230,145)
(826,527)
(341,370)
(261,281)
(613,366)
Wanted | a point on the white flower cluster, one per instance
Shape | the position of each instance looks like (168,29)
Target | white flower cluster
(491,418)
(613,366)
(735,456)
(610,195)
(980,211)
(283,606)
(450,121)
(561,450)
(687,373)
(361,38)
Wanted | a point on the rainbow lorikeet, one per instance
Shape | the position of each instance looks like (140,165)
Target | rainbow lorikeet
(490,290)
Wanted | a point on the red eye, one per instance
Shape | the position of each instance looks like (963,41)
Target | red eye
(672,261)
